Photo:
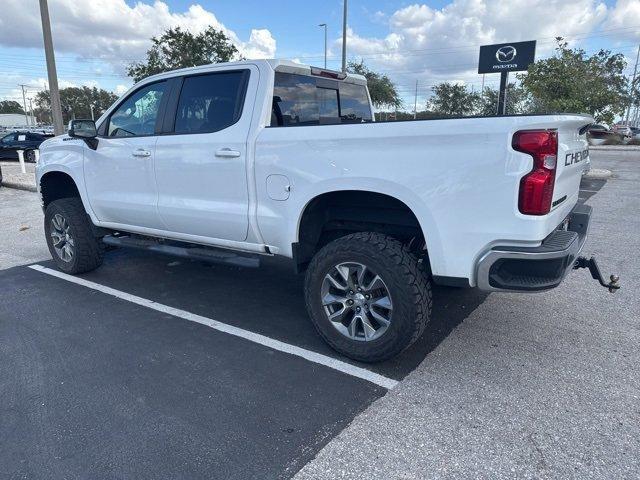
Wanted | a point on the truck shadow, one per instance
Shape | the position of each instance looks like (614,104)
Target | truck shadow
(267,300)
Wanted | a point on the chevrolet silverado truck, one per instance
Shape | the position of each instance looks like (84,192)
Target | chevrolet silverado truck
(230,162)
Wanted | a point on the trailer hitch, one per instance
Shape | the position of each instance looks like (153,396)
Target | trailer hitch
(592,265)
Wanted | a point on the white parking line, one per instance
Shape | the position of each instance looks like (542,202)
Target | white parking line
(314,357)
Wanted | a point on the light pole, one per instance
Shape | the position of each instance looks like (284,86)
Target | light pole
(344,38)
(325,43)
(54,94)
(633,79)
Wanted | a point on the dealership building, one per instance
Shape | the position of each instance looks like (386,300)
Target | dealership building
(16,120)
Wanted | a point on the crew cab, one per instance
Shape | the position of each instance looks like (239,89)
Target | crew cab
(230,162)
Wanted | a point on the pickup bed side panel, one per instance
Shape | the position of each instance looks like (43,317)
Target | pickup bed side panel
(460,177)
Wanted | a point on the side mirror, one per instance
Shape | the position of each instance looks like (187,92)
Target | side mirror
(82,129)
(86,130)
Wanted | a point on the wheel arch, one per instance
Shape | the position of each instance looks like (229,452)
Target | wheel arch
(374,210)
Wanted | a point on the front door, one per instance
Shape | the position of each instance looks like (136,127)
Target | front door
(119,173)
(201,162)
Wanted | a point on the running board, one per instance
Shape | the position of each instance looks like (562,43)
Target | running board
(206,254)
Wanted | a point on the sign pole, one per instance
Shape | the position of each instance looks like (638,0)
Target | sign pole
(502,95)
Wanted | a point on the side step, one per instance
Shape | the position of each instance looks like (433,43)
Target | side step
(184,250)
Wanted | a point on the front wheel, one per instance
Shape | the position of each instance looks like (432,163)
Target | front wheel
(70,238)
(368,296)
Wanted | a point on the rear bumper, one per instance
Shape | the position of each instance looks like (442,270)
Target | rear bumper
(530,269)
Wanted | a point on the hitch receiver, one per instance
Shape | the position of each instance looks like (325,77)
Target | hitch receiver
(592,265)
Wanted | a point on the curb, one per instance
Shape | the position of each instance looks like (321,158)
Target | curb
(598,173)
(19,186)
(617,148)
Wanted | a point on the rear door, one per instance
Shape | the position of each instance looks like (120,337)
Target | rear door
(201,157)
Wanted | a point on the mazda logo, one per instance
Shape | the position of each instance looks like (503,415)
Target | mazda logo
(506,54)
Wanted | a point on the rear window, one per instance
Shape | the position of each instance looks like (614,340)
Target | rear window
(301,100)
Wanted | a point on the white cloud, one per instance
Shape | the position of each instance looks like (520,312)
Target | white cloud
(623,20)
(442,44)
(120,89)
(112,30)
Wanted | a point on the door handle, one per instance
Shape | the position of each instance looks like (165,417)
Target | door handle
(227,153)
(141,153)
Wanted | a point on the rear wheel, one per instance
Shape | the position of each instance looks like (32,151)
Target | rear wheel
(30,156)
(368,296)
(70,238)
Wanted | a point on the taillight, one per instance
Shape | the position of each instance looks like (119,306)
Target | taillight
(536,187)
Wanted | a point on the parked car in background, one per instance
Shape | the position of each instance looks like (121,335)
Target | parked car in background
(27,141)
(598,134)
(46,130)
(623,130)
(635,133)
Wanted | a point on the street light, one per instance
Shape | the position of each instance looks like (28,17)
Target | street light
(325,43)
(344,38)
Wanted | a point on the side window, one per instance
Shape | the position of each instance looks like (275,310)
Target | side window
(210,103)
(354,104)
(9,138)
(138,113)
(294,100)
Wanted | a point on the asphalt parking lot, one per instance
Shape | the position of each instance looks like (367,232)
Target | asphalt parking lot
(153,367)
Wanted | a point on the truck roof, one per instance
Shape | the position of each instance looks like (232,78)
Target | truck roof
(277,64)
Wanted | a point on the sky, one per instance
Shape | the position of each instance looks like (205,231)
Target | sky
(424,42)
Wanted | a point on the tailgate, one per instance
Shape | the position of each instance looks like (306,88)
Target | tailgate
(573,159)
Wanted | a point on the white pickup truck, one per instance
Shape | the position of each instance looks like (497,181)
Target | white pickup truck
(229,162)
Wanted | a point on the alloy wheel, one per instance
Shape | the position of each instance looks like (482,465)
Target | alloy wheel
(356,301)
(63,242)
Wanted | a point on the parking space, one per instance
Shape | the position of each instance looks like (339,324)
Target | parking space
(94,386)
(154,367)
(120,369)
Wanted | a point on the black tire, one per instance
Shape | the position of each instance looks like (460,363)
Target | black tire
(30,156)
(408,283)
(88,249)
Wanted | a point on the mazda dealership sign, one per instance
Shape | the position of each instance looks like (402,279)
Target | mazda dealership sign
(506,57)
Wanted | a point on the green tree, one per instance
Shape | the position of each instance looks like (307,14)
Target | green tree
(572,81)
(517,101)
(382,90)
(10,106)
(453,99)
(177,48)
(76,102)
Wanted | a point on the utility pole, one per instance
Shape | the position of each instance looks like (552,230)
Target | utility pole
(54,93)
(325,43)
(91,107)
(415,103)
(31,111)
(24,104)
(633,79)
(344,38)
